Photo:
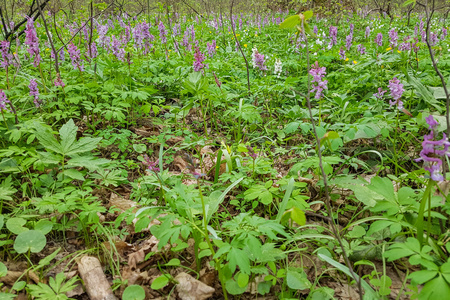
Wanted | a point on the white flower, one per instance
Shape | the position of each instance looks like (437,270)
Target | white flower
(277,67)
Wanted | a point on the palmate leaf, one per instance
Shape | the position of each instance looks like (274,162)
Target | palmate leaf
(68,135)
(47,139)
(85,144)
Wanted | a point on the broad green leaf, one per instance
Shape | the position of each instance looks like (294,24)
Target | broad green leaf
(237,257)
(437,288)
(424,92)
(422,276)
(133,292)
(173,262)
(408,2)
(160,282)
(31,240)
(47,139)
(90,162)
(85,144)
(384,187)
(3,269)
(298,216)
(308,14)
(297,280)
(16,225)
(74,174)
(242,279)
(44,226)
(291,22)
(233,287)
(68,135)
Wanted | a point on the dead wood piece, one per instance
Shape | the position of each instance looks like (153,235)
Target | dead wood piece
(97,286)
(12,276)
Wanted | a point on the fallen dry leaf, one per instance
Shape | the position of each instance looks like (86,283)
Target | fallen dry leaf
(120,202)
(189,288)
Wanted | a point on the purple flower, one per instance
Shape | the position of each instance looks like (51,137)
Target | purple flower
(315,30)
(380,93)
(102,31)
(367,34)
(211,48)
(199,58)
(361,49)
(7,58)
(318,73)
(152,166)
(32,41)
(74,54)
(162,32)
(342,53)
(92,51)
(117,49)
(405,46)
(34,92)
(393,37)
(423,35)
(59,82)
(415,45)
(3,101)
(352,27)
(434,150)
(433,39)
(379,39)
(348,41)
(396,92)
(444,33)
(333,35)
(258,60)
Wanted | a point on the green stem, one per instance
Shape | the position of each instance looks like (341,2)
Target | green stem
(208,241)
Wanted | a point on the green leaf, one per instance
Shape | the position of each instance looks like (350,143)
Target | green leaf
(140,148)
(408,2)
(47,139)
(46,260)
(31,240)
(290,22)
(424,92)
(422,276)
(74,174)
(68,135)
(173,262)
(160,282)
(297,280)
(287,195)
(308,14)
(233,287)
(242,279)
(3,270)
(370,293)
(215,202)
(44,226)
(16,225)
(6,191)
(133,292)
(298,216)
(437,288)
(85,144)
(384,187)
(238,257)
